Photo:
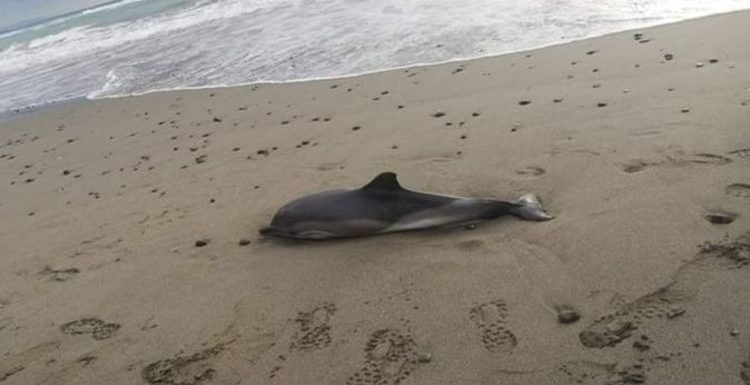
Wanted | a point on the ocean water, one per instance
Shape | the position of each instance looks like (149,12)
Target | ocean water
(135,46)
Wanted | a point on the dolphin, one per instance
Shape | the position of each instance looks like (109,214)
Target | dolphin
(383,206)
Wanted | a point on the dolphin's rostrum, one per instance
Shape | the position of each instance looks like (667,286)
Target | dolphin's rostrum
(383,206)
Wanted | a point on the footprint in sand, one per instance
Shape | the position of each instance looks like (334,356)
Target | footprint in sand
(667,302)
(59,275)
(10,372)
(490,318)
(390,357)
(739,190)
(572,372)
(745,372)
(678,159)
(743,153)
(98,329)
(194,369)
(314,331)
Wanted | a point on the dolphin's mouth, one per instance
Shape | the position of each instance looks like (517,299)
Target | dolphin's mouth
(268,230)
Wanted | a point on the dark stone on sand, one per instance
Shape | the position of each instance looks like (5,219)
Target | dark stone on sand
(202,242)
(638,36)
(475,114)
(713,61)
(438,114)
(591,52)
(66,172)
(668,56)
(524,102)
(566,315)
(355,128)
(719,218)
(601,104)
(200,159)
(217,120)
(641,346)
(244,242)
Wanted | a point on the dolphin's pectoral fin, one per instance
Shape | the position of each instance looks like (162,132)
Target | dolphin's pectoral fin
(384,181)
(529,207)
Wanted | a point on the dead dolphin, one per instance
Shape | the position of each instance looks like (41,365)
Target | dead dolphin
(383,206)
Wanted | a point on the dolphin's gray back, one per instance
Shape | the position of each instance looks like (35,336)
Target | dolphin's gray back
(360,210)
(380,206)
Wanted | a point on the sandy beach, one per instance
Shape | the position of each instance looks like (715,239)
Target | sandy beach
(631,139)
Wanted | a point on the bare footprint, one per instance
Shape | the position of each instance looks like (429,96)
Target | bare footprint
(667,302)
(98,329)
(490,318)
(314,332)
(390,357)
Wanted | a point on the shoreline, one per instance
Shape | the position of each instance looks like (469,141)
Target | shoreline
(130,245)
(22,110)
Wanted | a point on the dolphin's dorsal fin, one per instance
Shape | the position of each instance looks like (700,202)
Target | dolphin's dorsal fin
(384,181)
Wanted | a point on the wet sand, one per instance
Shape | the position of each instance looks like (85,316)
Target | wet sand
(129,251)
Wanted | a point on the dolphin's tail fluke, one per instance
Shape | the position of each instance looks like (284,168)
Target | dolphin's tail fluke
(529,207)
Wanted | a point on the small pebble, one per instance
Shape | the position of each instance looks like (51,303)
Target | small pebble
(424,358)
(244,242)
(685,110)
(734,333)
(718,218)
(202,242)
(566,315)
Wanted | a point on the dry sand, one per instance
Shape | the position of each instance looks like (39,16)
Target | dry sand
(102,203)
